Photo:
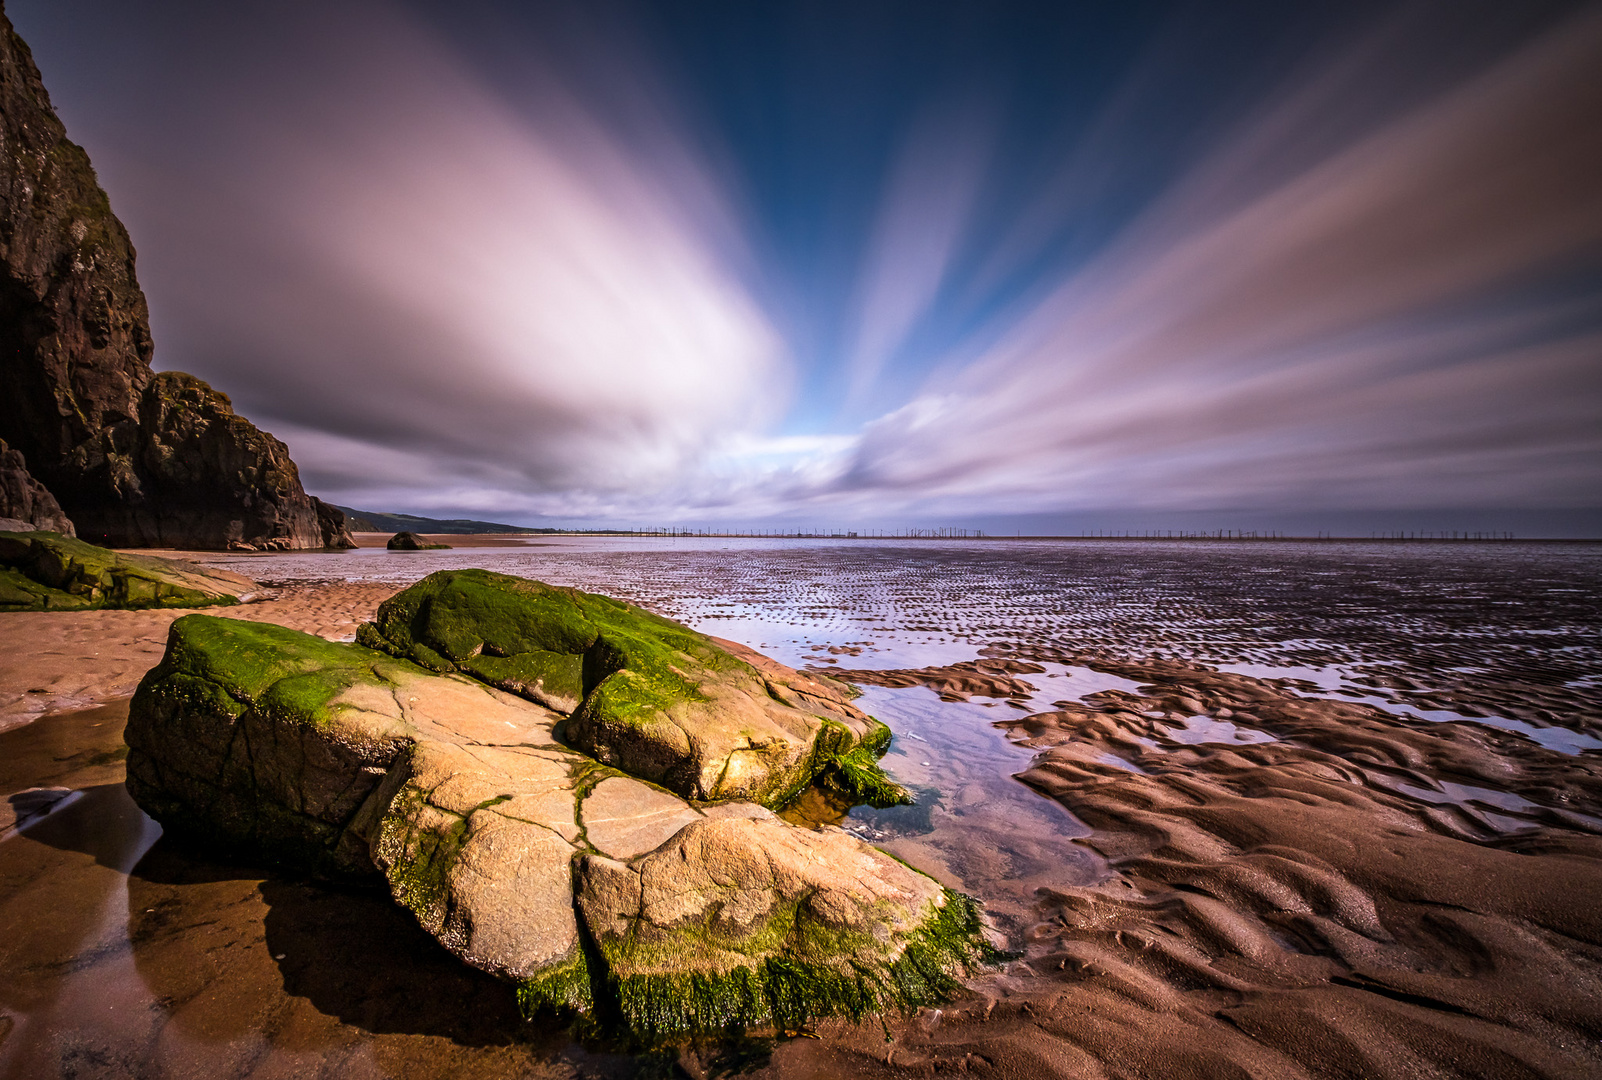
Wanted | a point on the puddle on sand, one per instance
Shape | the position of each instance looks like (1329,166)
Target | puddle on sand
(975,828)
(1198,730)
(127,955)
(1334,682)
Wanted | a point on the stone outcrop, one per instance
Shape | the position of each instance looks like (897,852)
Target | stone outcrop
(134,458)
(26,501)
(333,525)
(260,737)
(45,571)
(410,541)
(642,693)
(589,888)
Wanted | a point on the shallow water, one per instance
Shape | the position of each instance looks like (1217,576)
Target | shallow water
(1509,634)
(125,951)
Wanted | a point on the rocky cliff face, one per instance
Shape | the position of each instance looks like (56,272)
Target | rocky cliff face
(134,458)
(24,500)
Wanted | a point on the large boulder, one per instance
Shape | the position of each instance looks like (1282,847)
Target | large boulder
(134,458)
(410,541)
(522,856)
(45,571)
(642,693)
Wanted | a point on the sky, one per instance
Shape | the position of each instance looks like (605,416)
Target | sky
(1044,267)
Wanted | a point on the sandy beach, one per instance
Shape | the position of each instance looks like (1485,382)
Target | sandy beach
(1201,873)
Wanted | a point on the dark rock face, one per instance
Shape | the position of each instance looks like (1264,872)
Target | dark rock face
(24,499)
(132,457)
(335,528)
(208,477)
(406,541)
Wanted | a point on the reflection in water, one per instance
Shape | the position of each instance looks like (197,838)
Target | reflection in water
(69,984)
(987,834)
(127,955)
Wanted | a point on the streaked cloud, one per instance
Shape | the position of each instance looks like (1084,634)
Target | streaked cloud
(1371,331)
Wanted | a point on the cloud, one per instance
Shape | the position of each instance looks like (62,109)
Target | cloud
(1370,331)
(386,259)
(928,205)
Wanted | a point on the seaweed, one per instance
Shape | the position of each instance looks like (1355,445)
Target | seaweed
(795,987)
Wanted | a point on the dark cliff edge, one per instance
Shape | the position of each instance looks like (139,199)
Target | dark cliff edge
(134,458)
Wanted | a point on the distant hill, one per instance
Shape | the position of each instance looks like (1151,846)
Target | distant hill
(368,521)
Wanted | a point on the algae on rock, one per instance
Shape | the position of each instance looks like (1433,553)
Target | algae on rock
(752,922)
(643,693)
(265,739)
(46,571)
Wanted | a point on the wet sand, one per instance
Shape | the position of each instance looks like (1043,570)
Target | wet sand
(1203,874)
(1296,887)
(127,956)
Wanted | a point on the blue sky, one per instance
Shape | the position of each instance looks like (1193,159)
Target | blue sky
(1107,265)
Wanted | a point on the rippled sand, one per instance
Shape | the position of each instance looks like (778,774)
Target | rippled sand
(1252,809)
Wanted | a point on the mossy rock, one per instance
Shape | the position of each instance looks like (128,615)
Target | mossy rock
(46,571)
(266,740)
(590,889)
(643,693)
(741,923)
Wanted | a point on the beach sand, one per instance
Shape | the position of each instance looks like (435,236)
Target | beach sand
(1290,888)
(1319,889)
(53,661)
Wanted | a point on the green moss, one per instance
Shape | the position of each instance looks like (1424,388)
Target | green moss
(19,592)
(423,656)
(513,633)
(877,739)
(847,768)
(563,987)
(462,613)
(539,674)
(247,659)
(419,860)
(856,776)
(813,974)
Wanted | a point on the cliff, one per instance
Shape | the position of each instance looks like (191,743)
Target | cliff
(134,458)
(24,502)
